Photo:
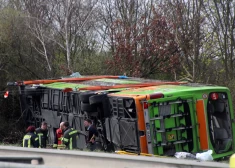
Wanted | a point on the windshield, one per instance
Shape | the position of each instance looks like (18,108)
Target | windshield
(219,122)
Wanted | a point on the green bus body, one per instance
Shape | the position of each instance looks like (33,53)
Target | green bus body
(174,122)
(160,120)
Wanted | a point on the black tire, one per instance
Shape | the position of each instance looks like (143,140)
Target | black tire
(84,97)
(88,108)
(96,99)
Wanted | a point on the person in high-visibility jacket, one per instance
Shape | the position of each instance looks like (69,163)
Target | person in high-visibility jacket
(31,140)
(42,133)
(70,138)
(58,137)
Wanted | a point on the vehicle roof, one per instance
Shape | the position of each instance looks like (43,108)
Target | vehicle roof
(123,85)
(168,89)
(95,82)
(76,85)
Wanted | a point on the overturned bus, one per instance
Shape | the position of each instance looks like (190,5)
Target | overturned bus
(135,115)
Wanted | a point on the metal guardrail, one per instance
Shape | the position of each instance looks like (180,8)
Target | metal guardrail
(22,159)
(74,159)
(21,165)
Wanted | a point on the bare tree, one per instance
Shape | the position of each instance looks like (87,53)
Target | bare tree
(39,30)
(221,15)
(188,20)
(139,37)
(61,22)
(128,11)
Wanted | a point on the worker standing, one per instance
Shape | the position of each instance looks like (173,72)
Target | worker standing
(42,133)
(92,133)
(30,140)
(70,138)
(58,137)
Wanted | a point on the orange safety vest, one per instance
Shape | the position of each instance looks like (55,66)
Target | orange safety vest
(59,135)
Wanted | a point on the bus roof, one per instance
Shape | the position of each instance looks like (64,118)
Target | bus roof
(168,89)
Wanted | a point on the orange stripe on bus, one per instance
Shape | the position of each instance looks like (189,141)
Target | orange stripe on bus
(202,125)
(141,123)
(47,81)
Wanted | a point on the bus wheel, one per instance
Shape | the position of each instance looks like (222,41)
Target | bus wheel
(96,99)
(88,108)
(84,97)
